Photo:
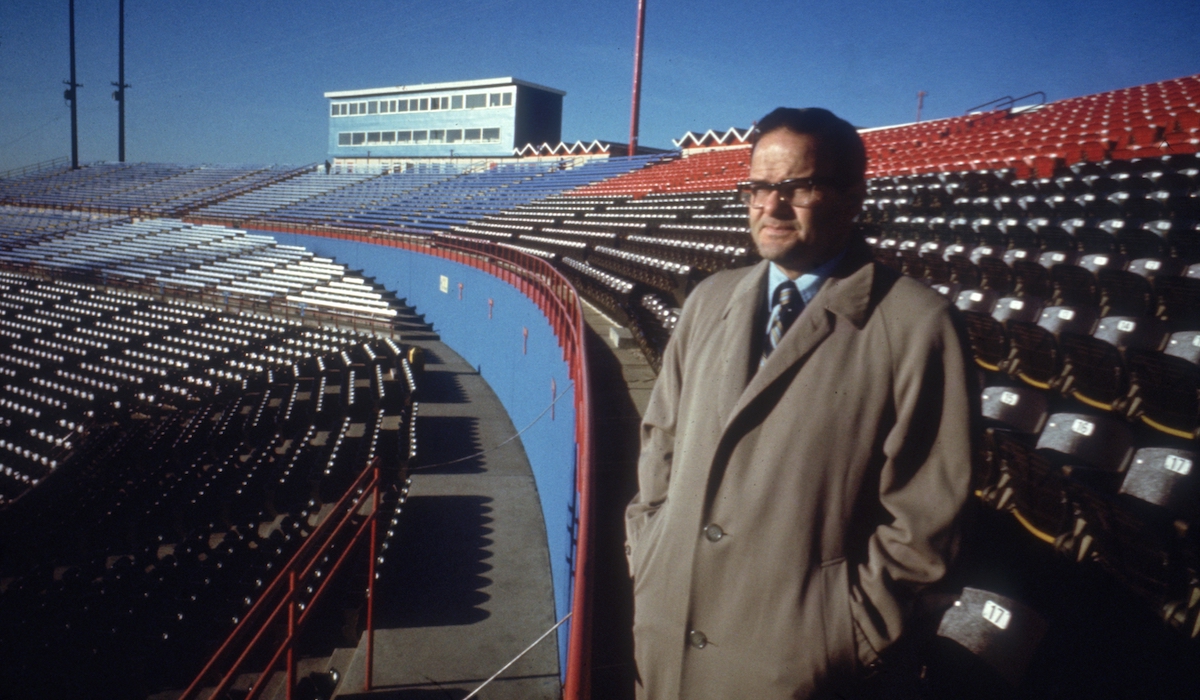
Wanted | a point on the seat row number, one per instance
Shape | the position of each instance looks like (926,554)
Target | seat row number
(1177,464)
(997,615)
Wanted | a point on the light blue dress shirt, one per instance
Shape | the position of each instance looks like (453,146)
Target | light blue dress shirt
(807,284)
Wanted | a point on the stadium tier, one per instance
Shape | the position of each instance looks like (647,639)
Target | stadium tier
(1067,233)
(210,263)
(143,188)
(162,461)
(1148,121)
(430,197)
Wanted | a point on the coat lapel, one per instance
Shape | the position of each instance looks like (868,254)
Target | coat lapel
(846,293)
(738,329)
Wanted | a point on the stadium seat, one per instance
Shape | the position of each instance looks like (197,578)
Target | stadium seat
(1165,387)
(1093,442)
(1022,410)
(1094,367)
(1158,475)
(999,631)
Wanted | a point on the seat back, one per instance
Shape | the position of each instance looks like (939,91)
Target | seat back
(999,630)
(1162,476)
(1020,409)
(1096,442)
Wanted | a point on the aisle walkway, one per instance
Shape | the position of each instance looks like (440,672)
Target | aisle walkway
(467,586)
(621,381)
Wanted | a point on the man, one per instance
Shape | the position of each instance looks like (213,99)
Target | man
(800,479)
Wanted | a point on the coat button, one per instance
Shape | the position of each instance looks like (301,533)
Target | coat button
(697,639)
(628,550)
(714,532)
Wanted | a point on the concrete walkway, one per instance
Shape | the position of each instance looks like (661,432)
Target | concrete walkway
(466,586)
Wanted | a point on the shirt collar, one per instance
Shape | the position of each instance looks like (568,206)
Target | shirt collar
(807,284)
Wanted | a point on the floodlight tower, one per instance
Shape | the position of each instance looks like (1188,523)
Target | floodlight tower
(119,93)
(637,78)
(70,94)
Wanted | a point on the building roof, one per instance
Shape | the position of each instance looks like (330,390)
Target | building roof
(581,148)
(695,139)
(431,87)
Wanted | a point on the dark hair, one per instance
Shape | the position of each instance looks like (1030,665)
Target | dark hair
(838,141)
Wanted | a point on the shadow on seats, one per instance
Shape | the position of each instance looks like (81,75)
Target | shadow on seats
(433,574)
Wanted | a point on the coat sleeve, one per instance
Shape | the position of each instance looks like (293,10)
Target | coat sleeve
(925,480)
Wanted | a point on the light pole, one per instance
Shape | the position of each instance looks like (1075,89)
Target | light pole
(637,79)
(70,94)
(119,93)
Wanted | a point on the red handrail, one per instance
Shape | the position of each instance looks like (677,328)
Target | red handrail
(279,601)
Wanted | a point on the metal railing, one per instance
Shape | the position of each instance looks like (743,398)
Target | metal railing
(36,167)
(1006,102)
(280,607)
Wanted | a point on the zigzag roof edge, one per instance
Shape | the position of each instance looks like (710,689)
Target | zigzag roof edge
(565,148)
(731,135)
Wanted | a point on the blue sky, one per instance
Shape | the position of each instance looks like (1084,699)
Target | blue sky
(242,82)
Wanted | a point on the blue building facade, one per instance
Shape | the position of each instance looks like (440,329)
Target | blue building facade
(470,119)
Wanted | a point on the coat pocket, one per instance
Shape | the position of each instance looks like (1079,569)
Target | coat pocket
(644,545)
(840,652)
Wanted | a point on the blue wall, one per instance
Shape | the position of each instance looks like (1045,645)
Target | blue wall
(521,380)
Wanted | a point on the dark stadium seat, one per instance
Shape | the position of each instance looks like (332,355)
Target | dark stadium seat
(1073,285)
(1166,387)
(980,301)
(1023,309)
(1059,319)
(994,639)
(1179,301)
(1158,475)
(1093,442)
(1036,357)
(1087,236)
(1128,292)
(1094,367)
(989,340)
(1031,485)
(1185,345)
(1023,410)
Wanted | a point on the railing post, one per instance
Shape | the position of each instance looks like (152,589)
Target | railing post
(369,679)
(291,635)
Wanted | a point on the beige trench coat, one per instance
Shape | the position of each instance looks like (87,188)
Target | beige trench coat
(787,515)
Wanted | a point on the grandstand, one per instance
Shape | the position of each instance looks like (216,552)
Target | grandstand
(152,309)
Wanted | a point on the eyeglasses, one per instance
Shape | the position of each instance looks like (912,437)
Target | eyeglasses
(797,191)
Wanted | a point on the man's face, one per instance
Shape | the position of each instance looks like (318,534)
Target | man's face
(798,239)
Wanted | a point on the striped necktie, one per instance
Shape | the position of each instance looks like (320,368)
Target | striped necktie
(786,308)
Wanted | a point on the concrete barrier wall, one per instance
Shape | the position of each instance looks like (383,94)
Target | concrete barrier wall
(513,346)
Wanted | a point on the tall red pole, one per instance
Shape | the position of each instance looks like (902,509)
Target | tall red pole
(637,79)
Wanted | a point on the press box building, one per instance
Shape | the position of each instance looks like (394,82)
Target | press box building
(468,118)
